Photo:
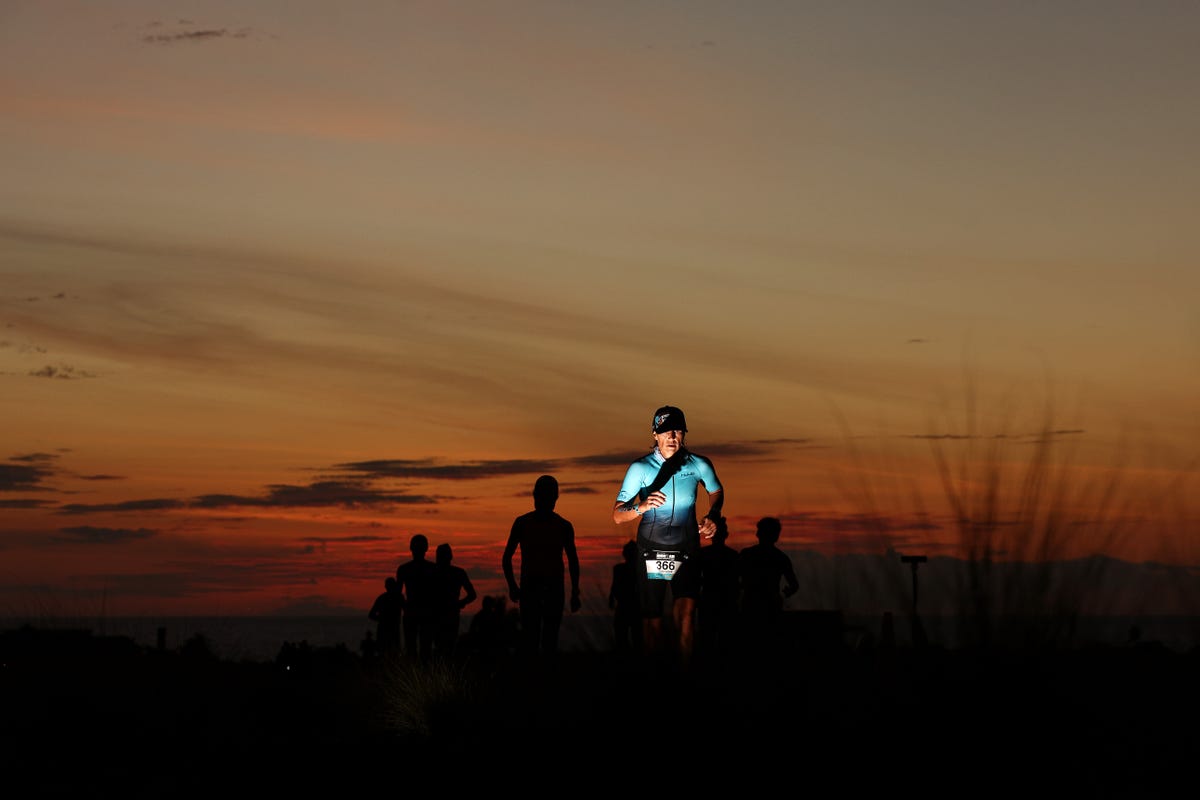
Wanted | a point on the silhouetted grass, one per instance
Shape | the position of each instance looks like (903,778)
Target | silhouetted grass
(1031,522)
(425,699)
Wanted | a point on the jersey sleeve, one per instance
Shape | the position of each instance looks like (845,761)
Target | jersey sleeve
(708,475)
(633,482)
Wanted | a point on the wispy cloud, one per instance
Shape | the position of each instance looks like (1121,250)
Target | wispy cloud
(62,372)
(349,539)
(157,504)
(25,503)
(346,494)
(1027,437)
(359,489)
(184,31)
(89,533)
(578,490)
(26,477)
(36,458)
(430,469)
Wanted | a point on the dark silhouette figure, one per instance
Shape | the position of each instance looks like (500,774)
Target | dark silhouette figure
(368,647)
(624,601)
(453,591)
(717,606)
(490,635)
(414,579)
(762,567)
(386,612)
(543,538)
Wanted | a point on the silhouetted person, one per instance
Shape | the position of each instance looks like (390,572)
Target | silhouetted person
(543,538)
(453,592)
(625,602)
(489,632)
(386,612)
(762,568)
(368,647)
(414,579)
(717,607)
(659,493)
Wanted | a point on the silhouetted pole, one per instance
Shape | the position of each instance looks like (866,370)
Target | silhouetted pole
(918,629)
(913,562)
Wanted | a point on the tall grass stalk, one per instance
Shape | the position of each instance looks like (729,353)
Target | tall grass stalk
(1031,524)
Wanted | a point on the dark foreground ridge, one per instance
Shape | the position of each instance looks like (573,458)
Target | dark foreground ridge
(101,717)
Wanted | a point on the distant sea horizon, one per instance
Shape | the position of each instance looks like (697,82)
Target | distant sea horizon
(260,638)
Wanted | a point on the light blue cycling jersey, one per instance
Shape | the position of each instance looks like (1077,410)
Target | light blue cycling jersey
(672,525)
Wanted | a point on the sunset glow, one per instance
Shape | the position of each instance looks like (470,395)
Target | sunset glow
(281,286)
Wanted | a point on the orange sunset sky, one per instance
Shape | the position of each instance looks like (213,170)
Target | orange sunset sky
(282,284)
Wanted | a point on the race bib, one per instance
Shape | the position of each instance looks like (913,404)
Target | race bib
(661,565)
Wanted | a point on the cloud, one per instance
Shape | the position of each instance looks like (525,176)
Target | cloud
(1034,438)
(429,469)
(62,371)
(89,533)
(158,504)
(185,30)
(345,539)
(578,490)
(25,503)
(23,477)
(347,494)
(622,459)
(198,35)
(1050,436)
(750,451)
(23,348)
(36,458)
(358,491)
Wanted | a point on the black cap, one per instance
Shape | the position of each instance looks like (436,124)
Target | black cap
(668,418)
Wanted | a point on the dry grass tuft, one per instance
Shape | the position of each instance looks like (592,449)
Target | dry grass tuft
(424,699)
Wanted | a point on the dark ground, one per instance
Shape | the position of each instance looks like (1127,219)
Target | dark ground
(92,717)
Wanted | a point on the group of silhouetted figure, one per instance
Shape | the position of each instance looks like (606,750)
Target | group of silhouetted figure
(420,609)
(419,613)
(742,592)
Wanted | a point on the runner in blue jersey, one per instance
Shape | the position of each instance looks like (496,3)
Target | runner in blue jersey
(660,491)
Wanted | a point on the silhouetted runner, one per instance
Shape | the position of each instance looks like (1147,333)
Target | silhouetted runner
(625,601)
(764,568)
(543,538)
(386,611)
(452,592)
(717,607)
(414,578)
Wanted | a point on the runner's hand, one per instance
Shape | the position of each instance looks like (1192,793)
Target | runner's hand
(653,500)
